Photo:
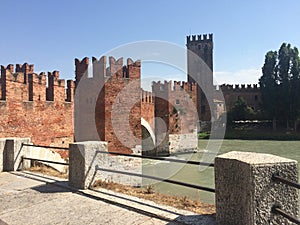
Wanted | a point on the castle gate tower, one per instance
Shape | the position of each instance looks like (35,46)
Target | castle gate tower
(201,71)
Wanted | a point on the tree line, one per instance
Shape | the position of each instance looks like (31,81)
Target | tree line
(280,89)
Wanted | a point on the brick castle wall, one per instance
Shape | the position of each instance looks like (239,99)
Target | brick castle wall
(251,94)
(30,108)
(176,105)
(113,97)
(183,118)
(40,107)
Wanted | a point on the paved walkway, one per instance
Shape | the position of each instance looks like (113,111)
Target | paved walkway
(29,198)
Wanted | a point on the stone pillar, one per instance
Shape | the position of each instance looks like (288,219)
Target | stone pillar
(245,192)
(2,146)
(82,163)
(85,160)
(13,152)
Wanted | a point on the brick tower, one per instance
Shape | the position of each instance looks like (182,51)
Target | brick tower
(201,71)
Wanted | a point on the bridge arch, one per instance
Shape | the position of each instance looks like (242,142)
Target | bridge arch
(148,138)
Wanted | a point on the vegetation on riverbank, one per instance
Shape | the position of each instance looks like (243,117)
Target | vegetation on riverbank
(262,135)
(47,170)
(149,194)
(256,134)
(140,192)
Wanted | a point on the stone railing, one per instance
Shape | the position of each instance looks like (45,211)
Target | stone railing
(13,149)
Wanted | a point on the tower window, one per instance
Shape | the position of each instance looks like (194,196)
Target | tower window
(177,102)
(199,46)
(255,97)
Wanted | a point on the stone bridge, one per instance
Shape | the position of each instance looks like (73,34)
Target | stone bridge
(111,105)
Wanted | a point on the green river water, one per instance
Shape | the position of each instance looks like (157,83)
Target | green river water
(192,173)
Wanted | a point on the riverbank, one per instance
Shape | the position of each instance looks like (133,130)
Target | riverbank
(253,134)
(149,193)
(262,134)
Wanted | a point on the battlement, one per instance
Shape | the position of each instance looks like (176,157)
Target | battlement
(186,86)
(147,97)
(161,87)
(115,68)
(31,86)
(25,68)
(173,86)
(239,87)
(199,38)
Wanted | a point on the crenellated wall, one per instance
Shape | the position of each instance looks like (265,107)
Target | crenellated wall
(250,93)
(198,38)
(183,97)
(184,117)
(176,104)
(113,97)
(31,108)
(111,104)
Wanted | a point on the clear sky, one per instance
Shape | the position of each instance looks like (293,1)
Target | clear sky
(50,34)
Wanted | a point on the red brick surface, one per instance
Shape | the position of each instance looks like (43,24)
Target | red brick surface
(147,110)
(38,105)
(117,110)
(27,111)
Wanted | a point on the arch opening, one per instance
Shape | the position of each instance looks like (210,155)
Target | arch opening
(148,138)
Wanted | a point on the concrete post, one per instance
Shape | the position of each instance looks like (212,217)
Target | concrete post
(245,192)
(2,146)
(82,163)
(85,159)
(13,152)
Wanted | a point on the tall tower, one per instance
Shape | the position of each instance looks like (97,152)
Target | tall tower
(202,46)
(201,71)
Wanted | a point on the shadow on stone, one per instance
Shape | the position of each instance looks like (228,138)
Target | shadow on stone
(57,186)
(195,219)
(139,201)
(54,187)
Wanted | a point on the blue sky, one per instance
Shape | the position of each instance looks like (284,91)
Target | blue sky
(50,34)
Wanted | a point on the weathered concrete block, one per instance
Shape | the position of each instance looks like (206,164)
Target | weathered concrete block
(245,192)
(76,167)
(85,159)
(13,152)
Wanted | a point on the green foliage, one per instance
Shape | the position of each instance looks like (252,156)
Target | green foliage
(269,84)
(260,134)
(203,135)
(241,111)
(280,84)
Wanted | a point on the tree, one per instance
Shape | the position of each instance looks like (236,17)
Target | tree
(280,84)
(269,83)
(284,65)
(241,111)
(295,87)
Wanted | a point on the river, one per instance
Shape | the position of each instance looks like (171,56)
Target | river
(192,173)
